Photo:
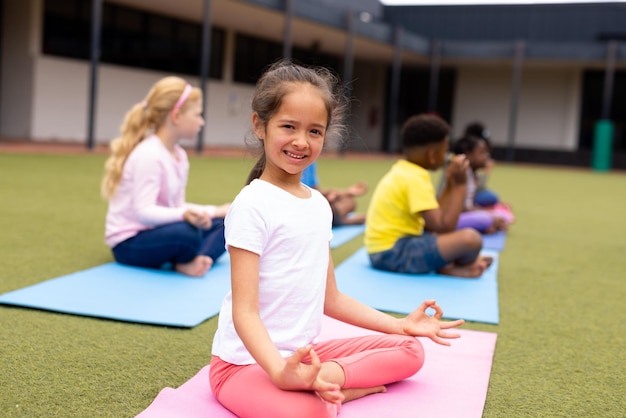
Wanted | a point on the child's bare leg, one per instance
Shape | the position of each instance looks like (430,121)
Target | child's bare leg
(461,246)
(461,249)
(475,269)
(343,207)
(196,267)
(333,372)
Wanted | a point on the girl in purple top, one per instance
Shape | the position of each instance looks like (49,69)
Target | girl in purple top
(148,222)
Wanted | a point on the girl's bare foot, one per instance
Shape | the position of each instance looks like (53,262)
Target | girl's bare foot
(500,224)
(473,270)
(196,267)
(353,219)
(491,230)
(356,393)
(358,189)
(486,259)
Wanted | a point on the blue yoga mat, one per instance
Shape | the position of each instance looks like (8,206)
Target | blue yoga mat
(460,298)
(494,241)
(343,234)
(123,293)
(115,291)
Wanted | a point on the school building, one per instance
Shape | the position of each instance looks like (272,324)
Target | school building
(549,81)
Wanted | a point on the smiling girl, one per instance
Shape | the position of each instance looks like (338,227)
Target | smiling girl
(267,360)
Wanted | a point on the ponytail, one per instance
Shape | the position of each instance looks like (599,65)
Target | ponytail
(133,130)
(257,170)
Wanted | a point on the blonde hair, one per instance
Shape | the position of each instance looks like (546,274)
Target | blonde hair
(143,118)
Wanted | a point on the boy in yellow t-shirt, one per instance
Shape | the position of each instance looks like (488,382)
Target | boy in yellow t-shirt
(408,230)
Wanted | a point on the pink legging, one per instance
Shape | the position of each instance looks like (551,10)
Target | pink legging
(367,361)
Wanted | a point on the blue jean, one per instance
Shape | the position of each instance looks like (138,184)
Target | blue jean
(178,242)
(412,254)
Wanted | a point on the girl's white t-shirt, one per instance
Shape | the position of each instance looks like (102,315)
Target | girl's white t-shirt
(291,236)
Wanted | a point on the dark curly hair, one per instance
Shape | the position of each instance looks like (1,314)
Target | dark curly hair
(423,129)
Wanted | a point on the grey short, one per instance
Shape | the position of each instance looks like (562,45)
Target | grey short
(412,254)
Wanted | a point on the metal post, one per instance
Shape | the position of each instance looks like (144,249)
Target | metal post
(348,68)
(394,92)
(520,47)
(287,43)
(96,25)
(609,75)
(435,64)
(602,152)
(348,60)
(205,65)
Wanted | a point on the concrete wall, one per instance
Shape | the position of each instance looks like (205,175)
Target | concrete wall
(19,36)
(61,109)
(548,105)
(368,106)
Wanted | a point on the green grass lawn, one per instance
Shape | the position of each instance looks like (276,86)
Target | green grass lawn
(561,345)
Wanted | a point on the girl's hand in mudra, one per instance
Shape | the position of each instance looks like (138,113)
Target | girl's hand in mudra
(419,324)
(197,218)
(297,375)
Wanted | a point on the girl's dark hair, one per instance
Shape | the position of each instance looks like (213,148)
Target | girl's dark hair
(467,143)
(423,129)
(278,81)
(479,130)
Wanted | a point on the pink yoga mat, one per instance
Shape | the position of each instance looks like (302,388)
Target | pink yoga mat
(453,383)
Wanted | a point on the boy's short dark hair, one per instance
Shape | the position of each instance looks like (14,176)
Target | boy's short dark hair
(423,129)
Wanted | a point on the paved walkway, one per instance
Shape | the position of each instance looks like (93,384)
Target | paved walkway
(41,147)
(52,147)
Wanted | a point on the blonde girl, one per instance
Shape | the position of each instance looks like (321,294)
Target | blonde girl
(148,222)
(267,359)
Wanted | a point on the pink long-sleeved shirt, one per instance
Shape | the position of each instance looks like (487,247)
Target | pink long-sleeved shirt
(151,191)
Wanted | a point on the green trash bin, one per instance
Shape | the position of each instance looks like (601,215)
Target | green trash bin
(602,145)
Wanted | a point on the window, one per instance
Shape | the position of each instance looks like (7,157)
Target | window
(67,30)
(253,55)
(130,37)
(414,93)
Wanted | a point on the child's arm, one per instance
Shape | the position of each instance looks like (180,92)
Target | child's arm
(419,324)
(287,374)
(451,201)
(201,216)
(146,186)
